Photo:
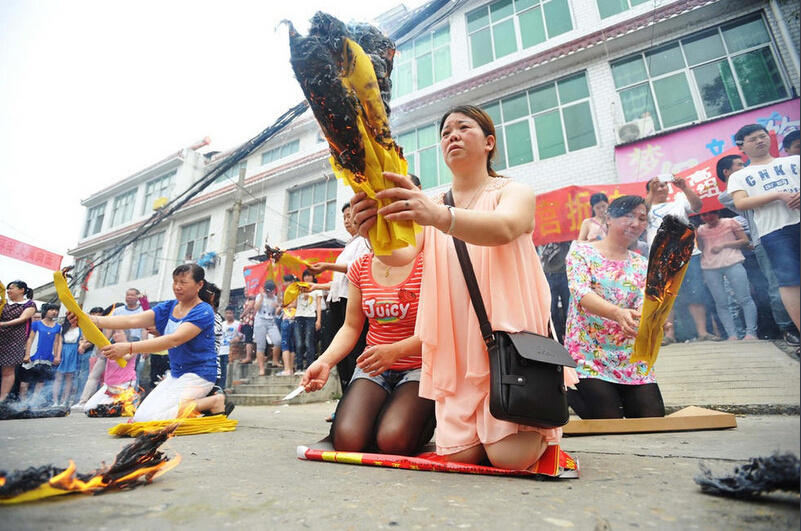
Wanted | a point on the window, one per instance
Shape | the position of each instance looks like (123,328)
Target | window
(147,256)
(123,208)
(422,151)
(607,8)
(94,220)
(251,221)
(711,73)
(280,152)
(543,122)
(503,27)
(109,271)
(232,173)
(421,62)
(194,238)
(159,187)
(312,209)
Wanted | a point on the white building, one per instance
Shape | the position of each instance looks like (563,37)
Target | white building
(567,82)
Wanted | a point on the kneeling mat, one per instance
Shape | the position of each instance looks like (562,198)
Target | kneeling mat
(554,463)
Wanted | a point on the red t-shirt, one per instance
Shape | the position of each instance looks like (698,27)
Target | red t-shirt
(390,310)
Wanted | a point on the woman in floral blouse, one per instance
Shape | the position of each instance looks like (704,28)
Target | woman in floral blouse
(607,282)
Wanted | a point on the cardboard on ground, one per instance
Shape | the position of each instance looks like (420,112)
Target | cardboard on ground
(687,419)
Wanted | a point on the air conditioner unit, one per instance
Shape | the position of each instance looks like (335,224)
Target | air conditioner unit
(635,129)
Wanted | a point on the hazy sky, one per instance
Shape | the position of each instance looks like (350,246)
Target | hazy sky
(93,91)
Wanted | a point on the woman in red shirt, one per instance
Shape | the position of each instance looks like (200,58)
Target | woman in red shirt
(381,407)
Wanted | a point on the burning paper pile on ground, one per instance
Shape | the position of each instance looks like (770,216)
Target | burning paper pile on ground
(124,405)
(667,263)
(344,72)
(24,410)
(137,464)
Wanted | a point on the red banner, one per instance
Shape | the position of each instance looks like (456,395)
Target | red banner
(28,253)
(257,275)
(560,212)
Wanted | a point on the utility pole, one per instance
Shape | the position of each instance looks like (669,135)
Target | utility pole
(230,241)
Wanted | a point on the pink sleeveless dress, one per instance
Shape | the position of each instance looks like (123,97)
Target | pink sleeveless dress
(455,369)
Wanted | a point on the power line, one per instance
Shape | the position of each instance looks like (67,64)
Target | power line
(195,188)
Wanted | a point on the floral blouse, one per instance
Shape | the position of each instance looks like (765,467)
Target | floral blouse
(598,345)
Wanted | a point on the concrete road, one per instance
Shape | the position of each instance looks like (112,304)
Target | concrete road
(251,479)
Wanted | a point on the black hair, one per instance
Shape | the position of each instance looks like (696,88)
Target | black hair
(345,206)
(230,307)
(597,198)
(289,277)
(415,180)
(198,275)
(210,293)
(133,289)
(725,163)
(112,307)
(23,286)
(309,272)
(624,205)
(746,130)
(269,285)
(97,309)
(789,138)
(46,307)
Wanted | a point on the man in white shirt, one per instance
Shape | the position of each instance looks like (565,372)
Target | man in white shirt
(770,187)
(692,292)
(338,292)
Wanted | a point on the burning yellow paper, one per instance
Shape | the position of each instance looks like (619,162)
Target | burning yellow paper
(90,332)
(668,261)
(348,91)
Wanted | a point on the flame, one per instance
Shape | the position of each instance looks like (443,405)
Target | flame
(124,404)
(142,456)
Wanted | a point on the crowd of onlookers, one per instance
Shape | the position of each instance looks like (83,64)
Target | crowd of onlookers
(730,290)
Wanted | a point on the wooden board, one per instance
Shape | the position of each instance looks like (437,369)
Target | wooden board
(687,419)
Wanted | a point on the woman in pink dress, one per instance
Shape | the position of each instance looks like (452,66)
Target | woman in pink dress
(495,216)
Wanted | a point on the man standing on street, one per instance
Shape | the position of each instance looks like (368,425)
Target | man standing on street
(770,187)
(725,168)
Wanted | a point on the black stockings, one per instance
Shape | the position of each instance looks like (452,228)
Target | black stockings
(368,417)
(599,399)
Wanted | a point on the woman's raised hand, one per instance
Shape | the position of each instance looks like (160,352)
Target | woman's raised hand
(315,376)
(72,318)
(363,212)
(410,204)
(629,321)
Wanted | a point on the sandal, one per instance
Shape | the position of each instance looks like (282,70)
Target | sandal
(710,337)
(667,341)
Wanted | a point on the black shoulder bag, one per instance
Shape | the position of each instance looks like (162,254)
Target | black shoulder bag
(526,381)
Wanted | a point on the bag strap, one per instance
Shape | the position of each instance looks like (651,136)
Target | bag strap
(472,284)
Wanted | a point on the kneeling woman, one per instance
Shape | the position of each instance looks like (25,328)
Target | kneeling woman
(381,407)
(607,282)
(186,325)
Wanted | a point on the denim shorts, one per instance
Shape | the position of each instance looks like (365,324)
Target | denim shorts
(390,379)
(783,248)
